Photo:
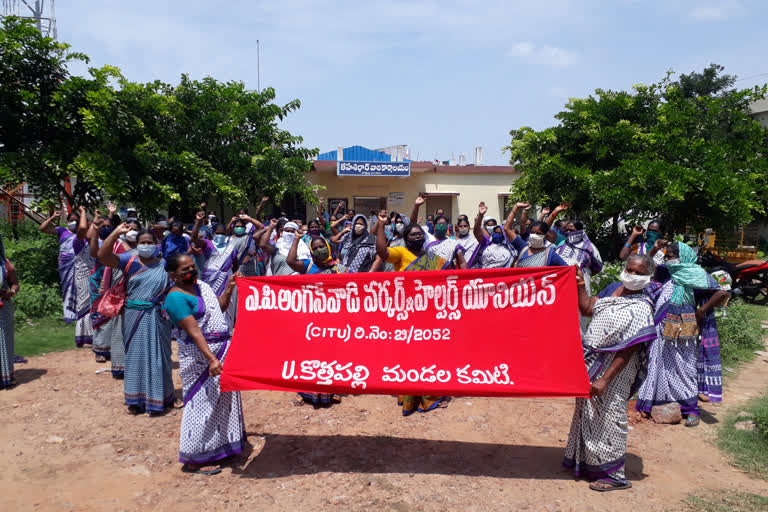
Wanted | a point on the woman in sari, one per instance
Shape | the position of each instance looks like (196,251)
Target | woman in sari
(621,324)
(212,426)
(146,330)
(536,254)
(639,244)
(493,249)
(443,246)
(217,260)
(413,257)
(578,250)
(277,265)
(74,270)
(106,330)
(357,247)
(466,238)
(321,262)
(673,362)
(9,288)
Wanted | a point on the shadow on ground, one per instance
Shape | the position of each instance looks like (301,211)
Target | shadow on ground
(287,455)
(26,375)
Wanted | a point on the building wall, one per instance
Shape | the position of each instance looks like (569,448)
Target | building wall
(465,191)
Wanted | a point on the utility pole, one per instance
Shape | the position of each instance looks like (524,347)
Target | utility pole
(41,11)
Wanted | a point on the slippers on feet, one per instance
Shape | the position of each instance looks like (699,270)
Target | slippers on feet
(611,486)
(692,421)
(201,471)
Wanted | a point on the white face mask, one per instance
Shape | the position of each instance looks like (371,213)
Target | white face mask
(634,282)
(359,228)
(72,225)
(536,240)
(288,237)
(673,261)
(131,235)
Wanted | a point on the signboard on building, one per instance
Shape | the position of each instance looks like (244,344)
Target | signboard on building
(348,168)
(396,199)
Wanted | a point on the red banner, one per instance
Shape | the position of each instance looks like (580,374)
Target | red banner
(494,332)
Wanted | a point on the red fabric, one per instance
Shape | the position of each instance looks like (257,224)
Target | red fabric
(479,333)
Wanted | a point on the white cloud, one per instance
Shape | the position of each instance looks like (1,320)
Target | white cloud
(546,55)
(717,11)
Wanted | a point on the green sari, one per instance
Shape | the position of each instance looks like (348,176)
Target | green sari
(414,403)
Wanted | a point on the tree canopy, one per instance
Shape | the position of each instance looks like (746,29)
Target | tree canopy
(152,144)
(686,150)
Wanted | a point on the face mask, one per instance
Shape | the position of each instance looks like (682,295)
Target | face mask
(72,225)
(189,277)
(400,228)
(105,232)
(359,228)
(219,240)
(166,233)
(131,219)
(536,240)
(441,230)
(239,231)
(560,239)
(652,236)
(131,235)
(574,237)
(314,232)
(288,237)
(673,261)
(463,232)
(122,238)
(414,245)
(322,255)
(497,238)
(162,223)
(634,282)
(146,250)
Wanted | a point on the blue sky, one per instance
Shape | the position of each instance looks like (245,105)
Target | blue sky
(441,76)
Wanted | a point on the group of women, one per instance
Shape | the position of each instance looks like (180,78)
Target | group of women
(131,289)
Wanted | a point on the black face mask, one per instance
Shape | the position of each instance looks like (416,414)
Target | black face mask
(189,277)
(414,245)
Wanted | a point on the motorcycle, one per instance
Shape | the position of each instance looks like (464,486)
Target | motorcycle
(749,279)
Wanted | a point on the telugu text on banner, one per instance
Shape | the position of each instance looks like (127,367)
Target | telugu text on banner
(494,332)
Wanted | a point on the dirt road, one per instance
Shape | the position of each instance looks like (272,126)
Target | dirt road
(67,443)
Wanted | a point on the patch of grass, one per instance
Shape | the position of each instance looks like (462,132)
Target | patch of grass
(748,450)
(44,335)
(728,501)
(741,332)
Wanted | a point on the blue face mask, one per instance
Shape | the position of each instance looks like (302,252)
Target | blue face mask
(146,250)
(219,240)
(105,232)
(239,230)
(497,238)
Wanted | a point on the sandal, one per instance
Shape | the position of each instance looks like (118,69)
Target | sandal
(101,359)
(611,486)
(215,470)
(692,421)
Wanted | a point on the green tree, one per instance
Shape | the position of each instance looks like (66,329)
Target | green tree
(685,150)
(40,127)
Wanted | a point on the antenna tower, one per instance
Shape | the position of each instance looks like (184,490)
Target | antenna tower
(41,11)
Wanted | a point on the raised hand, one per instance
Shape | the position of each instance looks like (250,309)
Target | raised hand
(421,199)
(122,228)
(264,199)
(383,217)
(562,207)
(524,206)
(660,244)
(482,209)
(111,208)
(200,215)
(546,210)
(638,231)
(82,210)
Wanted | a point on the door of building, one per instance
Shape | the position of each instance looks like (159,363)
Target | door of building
(366,205)
(444,202)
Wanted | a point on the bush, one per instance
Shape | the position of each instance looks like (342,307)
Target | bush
(35,256)
(609,274)
(740,332)
(761,418)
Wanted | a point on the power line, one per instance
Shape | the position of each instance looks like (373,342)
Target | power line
(753,76)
